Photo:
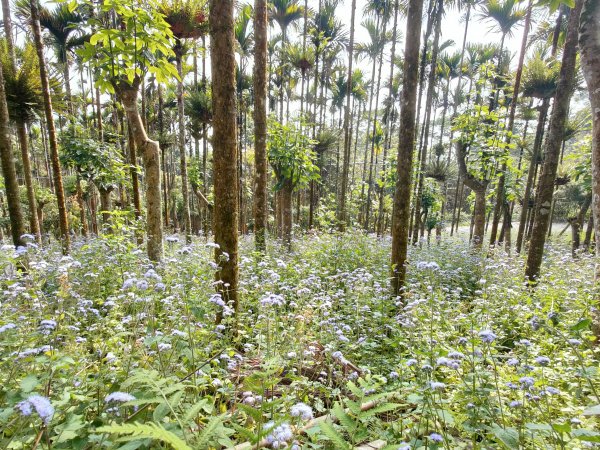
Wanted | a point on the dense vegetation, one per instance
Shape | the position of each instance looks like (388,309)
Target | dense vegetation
(289,224)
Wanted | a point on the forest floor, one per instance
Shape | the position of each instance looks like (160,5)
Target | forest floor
(101,349)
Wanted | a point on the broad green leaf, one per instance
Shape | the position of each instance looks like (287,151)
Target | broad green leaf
(592,411)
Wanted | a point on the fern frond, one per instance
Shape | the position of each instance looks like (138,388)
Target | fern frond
(146,431)
(334,436)
(345,420)
(208,431)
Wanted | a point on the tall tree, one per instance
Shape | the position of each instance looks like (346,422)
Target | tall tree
(145,44)
(224,142)
(285,13)
(23,86)
(56,170)
(342,220)
(9,172)
(260,123)
(406,145)
(63,25)
(589,43)
(545,189)
(505,17)
(187,21)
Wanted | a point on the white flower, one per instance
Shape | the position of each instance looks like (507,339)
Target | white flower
(302,410)
(118,397)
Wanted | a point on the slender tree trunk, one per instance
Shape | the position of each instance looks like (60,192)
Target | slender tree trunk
(500,194)
(105,205)
(260,124)
(286,194)
(81,203)
(589,41)
(552,147)
(537,145)
(33,220)
(150,151)
(588,233)
(187,222)
(428,108)
(17,226)
(135,181)
(56,170)
(406,145)
(225,153)
(479,188)
(342,220)
(67,81)
(8,30)
(479,217)
(373,129)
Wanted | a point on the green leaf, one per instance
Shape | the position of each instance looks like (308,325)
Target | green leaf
(208,431)
(346,421)
(586,435)
(592,411)
(508,436)
(334,436)
(29,383)
(145,431)
(583,324)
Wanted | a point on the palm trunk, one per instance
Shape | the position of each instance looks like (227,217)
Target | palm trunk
(342,220)
(537,145)
(105,205)
(135,181)
(225,153)
(405,147)
(23,141)
(187,223)
(500,195)
(260,124)
(589,42)
(17,226)
(56,170)
(428,108)
(552,147)
(371,168)
(286,211)
(81,203)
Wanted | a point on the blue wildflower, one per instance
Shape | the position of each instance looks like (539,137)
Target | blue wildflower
(41,405)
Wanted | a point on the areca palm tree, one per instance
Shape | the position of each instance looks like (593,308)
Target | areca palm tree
(540,80)
(64,28)
(260,123)
(505,16)
(25,102)
(48,111)
(303,60)
(9,172)
(501,203)
(188,21)
(406,145)
(545,189)
(328,37)
(285,13)
(373,50)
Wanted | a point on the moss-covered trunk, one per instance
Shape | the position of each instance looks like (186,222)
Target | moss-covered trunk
(9,172)
(260,124)
(406,143)
(224,142)
(556,130)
